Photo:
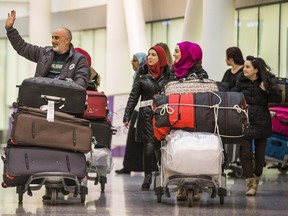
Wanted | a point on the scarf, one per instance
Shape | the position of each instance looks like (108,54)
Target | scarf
(190,54)
(157,69)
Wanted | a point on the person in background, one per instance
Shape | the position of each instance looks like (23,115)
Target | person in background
(153,76)
(234,58)
(188,65)
(94,77)
(134,150)
(255,82)
(58,61)
(168,53)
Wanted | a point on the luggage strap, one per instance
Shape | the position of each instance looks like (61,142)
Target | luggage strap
(146,103)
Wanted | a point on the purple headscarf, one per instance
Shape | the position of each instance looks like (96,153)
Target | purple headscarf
(190,54)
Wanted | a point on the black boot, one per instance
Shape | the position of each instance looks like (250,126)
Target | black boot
(147,182)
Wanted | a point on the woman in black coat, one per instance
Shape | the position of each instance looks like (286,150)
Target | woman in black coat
(151,80)
(255,83)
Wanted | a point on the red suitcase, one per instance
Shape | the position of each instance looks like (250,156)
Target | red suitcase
(279,116)
(96,105)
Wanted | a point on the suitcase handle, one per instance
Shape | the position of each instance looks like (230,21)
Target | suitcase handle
(54,98)
(284,122)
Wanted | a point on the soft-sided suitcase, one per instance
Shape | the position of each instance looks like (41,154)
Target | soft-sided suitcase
(30,127)
(102,131)
(96,105)
(68,97)
(25,161)
(190,86)
(277,147)
(279,117)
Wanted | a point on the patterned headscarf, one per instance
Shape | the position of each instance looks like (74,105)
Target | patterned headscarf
(157,69)
(190,54)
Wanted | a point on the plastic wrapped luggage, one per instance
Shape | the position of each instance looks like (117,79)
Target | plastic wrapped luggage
(22,162)
(184,86)
(30,127)
(185,148)
(37,91)
(96,106)
(279,117)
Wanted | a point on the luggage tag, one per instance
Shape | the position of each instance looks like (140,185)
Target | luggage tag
(50,111)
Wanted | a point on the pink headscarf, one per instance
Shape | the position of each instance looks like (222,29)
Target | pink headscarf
(190,54)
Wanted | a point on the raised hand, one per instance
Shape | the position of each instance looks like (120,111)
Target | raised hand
(10,19)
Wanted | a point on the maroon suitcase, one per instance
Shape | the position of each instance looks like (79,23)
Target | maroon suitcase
(279,116)
(96,105)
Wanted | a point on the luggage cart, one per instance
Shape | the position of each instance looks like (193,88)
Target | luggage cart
(55,182)
(167,181)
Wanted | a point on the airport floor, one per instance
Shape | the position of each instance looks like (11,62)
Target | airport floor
(123,197)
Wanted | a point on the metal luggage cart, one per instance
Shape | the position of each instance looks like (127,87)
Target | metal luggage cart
(55,182)
(167,181)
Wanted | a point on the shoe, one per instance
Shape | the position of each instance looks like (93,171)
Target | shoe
(122,171)
(182,194)
(147,182)
(252,186)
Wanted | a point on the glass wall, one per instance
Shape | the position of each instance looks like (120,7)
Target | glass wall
(263,31)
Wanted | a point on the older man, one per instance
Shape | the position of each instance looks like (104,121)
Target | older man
(56,61)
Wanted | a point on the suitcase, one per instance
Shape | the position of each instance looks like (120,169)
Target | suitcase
(102,131)
(30,127)
(279,117)
(277,147)
(37,91)
(96,106)
(22,162)
(190,86)
(228,109)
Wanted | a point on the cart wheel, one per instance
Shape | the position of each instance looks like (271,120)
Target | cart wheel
(83,197)
(238,173)
(190,197)
(283,168)
(221,199)
(20,198)
(102,187)
(53,196)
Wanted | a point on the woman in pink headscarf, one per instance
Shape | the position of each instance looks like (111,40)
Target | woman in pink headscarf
(188,65)
(188,61)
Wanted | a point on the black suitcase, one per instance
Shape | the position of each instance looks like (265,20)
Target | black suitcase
(22,162)
(102,131)
(36,91)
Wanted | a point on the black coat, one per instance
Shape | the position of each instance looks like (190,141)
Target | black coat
(145,86)
(258,112)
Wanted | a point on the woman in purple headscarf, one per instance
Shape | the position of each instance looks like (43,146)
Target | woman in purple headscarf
(188,61)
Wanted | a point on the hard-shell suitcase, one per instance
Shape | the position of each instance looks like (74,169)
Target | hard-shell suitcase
(37,91)
(22,162)
(96,105)
(277,147)
(279,117)
(102,131)
(30,127)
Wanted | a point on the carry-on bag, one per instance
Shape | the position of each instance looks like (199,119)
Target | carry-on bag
(184,86)
(102,131)
(26,161)
(68,97)
(96,106)
(277,147)
(30,127)
(279,117)
(279,94)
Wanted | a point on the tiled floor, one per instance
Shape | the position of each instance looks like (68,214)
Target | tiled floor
(123,197)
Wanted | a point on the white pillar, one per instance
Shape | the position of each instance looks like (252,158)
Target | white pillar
(135,24)
(39,25)
(192,28)
(118,56)
(218,24)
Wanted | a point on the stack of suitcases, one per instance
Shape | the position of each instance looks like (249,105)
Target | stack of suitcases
(277,144)
(49,138)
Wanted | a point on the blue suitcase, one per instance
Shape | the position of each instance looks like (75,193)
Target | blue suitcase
(277,147)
